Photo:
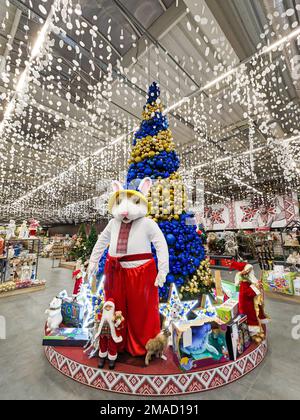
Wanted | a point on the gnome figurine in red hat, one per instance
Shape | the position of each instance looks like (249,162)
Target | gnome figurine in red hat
(110,324)
(250,299)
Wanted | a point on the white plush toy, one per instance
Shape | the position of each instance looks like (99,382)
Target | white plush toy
(131,277)
(10,231)
(54,314)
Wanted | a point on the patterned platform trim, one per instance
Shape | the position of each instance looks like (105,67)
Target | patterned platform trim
(154,385)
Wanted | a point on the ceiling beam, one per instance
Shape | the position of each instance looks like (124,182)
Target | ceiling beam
(131,19)
(236,35)
(10,40)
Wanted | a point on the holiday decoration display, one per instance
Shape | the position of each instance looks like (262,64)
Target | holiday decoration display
(231,245)
(130,269)
(110,325)
(215,244)
(20,269)
(153,154)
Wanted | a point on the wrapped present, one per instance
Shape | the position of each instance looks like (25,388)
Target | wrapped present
(280,282)
(238,337)
(72,313)
(228,310)
(230,289)
(297,286)
(67,337)
(199,343)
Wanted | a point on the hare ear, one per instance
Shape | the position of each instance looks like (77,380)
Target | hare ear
(145,186)
(117,186)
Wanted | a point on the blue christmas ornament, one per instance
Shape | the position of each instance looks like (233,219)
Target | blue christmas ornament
(170,278)
(170,239)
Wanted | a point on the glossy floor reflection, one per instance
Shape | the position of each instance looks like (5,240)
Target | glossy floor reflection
(26,374)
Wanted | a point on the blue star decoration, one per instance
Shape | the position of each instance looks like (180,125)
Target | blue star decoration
(175,309)
(208,311)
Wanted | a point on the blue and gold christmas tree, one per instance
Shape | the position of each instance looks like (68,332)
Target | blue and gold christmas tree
(153,155)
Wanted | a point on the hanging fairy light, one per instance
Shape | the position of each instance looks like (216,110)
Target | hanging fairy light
(69,103)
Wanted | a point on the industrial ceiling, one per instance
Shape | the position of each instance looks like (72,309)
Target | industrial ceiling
(71,128)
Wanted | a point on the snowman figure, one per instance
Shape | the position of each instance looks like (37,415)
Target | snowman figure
(10,231)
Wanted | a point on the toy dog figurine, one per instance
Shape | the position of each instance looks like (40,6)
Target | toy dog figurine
(157,346)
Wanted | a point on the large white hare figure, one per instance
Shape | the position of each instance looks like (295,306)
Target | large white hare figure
(131,276)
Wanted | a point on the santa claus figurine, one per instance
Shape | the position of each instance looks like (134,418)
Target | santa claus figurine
(111,322)
(77,277)
(250,299)
(33,227)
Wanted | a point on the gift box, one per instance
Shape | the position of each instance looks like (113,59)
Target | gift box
(238,337)
(231,290)
(279,282)
(67,337)
(228,310)
(72,313)
(297,286)
(199,343)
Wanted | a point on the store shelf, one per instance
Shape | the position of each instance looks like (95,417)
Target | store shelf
(18,292)
(282,297)
(70,265)
(289,265)
(220,257)
(291,246)
(220,267)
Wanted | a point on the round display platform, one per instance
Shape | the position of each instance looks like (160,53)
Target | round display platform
(161,377)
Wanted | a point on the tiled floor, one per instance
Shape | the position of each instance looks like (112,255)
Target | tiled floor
(26,374)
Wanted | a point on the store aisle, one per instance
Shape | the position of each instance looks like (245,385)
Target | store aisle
(26,374)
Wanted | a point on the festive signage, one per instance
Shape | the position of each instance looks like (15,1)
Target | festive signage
(247,215)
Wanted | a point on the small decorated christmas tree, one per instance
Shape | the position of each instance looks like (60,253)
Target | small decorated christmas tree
(154,155)
(91,242)
(79,249)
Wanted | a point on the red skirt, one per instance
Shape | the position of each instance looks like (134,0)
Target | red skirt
(136,296)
